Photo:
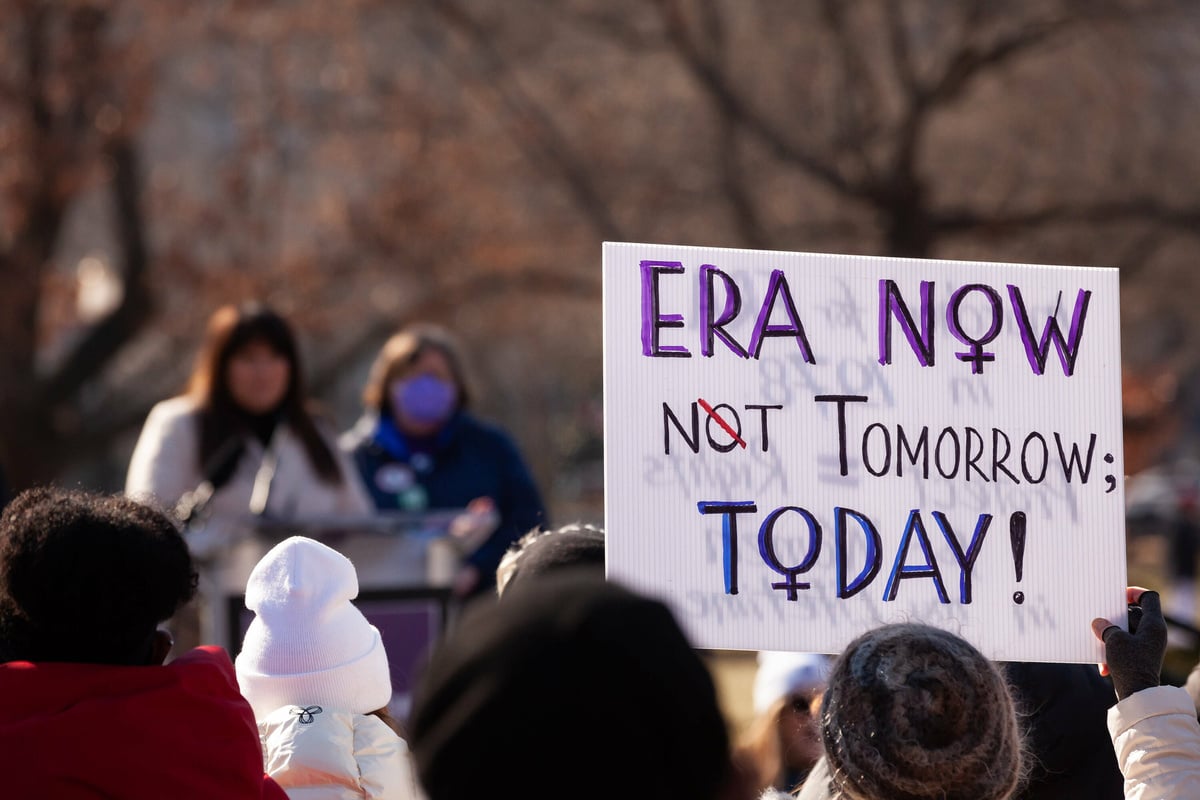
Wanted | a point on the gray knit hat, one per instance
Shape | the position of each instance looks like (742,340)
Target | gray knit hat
(916,712)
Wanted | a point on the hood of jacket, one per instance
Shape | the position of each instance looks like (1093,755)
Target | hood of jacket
(181,730)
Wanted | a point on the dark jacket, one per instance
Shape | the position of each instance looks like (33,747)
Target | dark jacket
(466,460)
(1064,708)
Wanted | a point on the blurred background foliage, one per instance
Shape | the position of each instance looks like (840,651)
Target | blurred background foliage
(365,164)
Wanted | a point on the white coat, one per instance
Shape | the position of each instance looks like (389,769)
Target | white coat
(165,466)
(320,754)
(1157,740)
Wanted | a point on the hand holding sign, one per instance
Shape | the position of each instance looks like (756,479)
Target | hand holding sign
(1134,658)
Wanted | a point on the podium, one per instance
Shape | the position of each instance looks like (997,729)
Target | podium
(405,563)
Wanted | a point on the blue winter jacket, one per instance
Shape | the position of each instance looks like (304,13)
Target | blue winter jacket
(465,460)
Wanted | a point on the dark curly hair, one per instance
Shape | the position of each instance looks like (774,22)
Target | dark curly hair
(87,578)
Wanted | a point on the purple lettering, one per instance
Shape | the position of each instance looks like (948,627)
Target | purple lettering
(713,326)
(652,320)
(975,353)
(778,288)
(904,571)
(1038,351)
(891,304)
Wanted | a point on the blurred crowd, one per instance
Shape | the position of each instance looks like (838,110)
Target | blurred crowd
(567,684)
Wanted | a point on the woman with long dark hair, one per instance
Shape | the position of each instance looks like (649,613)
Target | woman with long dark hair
(241,439)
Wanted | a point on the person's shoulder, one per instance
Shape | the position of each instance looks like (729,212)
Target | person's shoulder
(202,681)
(470,426)
(172,411)
(205,663)
(180,404)
(376,731)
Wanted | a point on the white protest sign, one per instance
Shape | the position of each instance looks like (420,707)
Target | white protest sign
(801,447)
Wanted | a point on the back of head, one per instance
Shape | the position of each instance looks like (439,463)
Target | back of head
(308,644)
(87,578)
(913,711)
(541,552)
(570,686)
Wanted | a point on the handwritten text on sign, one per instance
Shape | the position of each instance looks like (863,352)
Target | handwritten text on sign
(800,447)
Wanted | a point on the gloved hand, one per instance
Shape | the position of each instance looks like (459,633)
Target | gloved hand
(1134,659)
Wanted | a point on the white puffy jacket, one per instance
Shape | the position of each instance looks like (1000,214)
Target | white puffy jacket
(1157,740)
(320,754)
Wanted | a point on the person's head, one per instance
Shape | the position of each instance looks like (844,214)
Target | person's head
(249,366)
(915,711)
(418,380)
(308,644)
(783,740)
(248,363)
(86,578)
(570,685)
(540,552)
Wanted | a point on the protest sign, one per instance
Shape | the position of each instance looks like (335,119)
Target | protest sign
(800,447)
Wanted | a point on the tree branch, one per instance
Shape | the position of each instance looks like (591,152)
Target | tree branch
(105,339)
(530,282)
(1185,220)
(543,138)
(858,90)
(902,183)
(897,34)
(970,61)
(1137,251)
(716,83)
(746,215)
(32,242)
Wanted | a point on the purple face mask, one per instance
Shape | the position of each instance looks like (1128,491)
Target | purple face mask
(424,399)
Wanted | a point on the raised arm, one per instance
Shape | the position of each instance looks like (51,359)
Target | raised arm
(1153,727)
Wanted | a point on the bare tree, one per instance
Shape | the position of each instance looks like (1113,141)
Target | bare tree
(364,164)
(69,128)
(1029,131)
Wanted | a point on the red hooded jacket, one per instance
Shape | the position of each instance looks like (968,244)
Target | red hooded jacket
(180,731)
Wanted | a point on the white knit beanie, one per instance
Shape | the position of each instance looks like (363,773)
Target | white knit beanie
(308,645)
(781,674)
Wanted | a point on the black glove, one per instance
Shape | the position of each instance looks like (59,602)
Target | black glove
(1135,658)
